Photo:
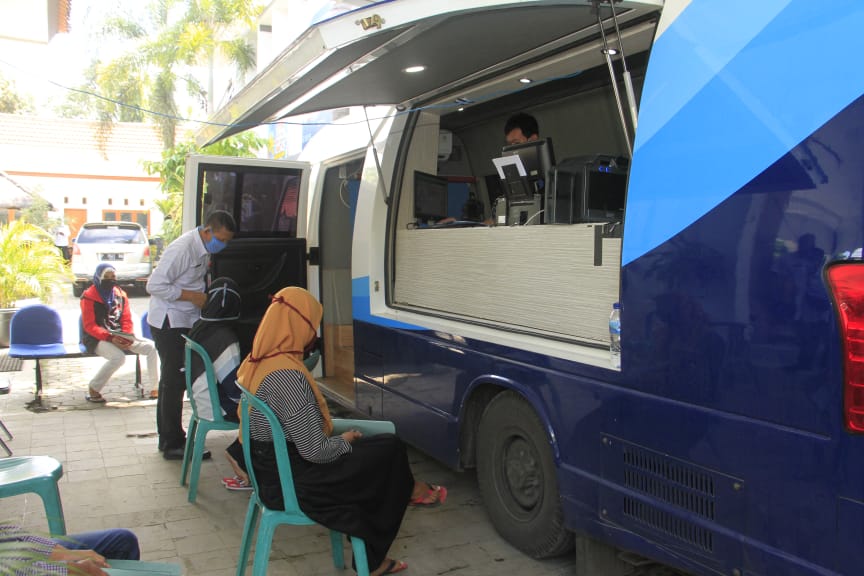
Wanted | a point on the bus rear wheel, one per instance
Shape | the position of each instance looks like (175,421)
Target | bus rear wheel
(517,479)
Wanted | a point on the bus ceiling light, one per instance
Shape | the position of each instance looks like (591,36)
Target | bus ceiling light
(610,51)
(414,69)
(525,80)
(846,282)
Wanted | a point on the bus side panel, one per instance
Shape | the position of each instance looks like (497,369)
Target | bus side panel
(731,378)
(653,472)
(732,314)
(850,536)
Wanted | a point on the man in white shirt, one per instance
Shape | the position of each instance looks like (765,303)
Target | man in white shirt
(177,290)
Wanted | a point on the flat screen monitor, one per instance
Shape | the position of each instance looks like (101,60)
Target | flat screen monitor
(587,189)
(538,159)
(430,197)
(605,198)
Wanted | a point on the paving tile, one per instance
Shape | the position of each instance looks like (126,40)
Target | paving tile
(115,477)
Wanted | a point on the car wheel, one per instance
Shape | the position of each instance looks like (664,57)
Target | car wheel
(517,478)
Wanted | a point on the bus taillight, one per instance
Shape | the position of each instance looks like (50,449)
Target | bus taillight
(847,286)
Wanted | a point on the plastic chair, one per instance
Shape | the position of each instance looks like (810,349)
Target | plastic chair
(3,442)
(135,567)
(198,425)
(145,327)
(312,360)
(39,474)
(36,332)
(292,514)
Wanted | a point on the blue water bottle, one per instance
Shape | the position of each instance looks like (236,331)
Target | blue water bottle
(615,336)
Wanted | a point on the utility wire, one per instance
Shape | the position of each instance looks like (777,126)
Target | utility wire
(246,126)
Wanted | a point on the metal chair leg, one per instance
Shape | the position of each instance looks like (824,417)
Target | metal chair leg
(6,430)
(2,442)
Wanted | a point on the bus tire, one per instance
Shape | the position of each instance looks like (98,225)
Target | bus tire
(517,478)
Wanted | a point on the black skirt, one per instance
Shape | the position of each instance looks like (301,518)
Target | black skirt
(363,494)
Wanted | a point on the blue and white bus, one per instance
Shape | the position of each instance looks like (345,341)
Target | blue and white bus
(706,174)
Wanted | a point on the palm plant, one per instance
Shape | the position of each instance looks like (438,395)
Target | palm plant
(165,52)
(30,264)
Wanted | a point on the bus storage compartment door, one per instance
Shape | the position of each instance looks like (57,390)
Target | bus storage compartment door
(369,369)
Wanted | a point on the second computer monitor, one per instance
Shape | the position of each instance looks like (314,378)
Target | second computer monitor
(430,197)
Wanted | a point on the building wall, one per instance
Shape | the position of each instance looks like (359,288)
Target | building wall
(84,176)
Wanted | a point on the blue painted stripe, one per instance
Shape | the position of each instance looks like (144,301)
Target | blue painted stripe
(786,82)
(362,308)
(697,46)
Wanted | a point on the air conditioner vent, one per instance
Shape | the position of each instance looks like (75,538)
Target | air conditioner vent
(670,481)
(669,525)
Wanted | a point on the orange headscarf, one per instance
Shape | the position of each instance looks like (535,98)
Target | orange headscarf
(289,326)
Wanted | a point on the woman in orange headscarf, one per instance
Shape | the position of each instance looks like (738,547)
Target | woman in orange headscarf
(357,485)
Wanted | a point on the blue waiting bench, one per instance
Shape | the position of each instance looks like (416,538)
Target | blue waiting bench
(36,333)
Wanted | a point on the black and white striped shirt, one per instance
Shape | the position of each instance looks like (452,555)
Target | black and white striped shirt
(291,398)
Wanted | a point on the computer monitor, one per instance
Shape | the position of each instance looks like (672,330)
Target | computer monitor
(537,158)
(430,197)
(605,198)
(587,189)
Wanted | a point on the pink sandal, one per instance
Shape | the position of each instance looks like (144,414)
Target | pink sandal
(236,483)
(434,496)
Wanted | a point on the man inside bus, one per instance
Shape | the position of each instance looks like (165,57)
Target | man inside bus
(519,129)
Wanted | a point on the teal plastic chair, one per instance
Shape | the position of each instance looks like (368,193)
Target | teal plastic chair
(39,474)
(292,514)
(136,567)
(312,360)
(198,425)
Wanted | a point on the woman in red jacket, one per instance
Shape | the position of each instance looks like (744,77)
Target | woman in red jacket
(105,312)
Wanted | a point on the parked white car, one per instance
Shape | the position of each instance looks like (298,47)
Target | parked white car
(123,244)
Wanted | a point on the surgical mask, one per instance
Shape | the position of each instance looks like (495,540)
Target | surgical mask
(214,245)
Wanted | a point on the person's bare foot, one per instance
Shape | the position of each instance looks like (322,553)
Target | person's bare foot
(427,495)
(238,471)
(390,566)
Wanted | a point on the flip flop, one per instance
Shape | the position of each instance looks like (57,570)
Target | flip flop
(238,486)
(435,496)
(395,566)
(95,399)
(236,483)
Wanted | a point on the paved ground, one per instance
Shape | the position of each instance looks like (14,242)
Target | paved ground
(115,477)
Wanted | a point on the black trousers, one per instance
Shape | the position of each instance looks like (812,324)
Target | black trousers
(172,385)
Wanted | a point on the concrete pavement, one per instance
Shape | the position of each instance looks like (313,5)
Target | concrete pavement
(115,477)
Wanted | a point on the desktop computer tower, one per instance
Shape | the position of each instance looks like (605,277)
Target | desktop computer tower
(520,213)
(525,213)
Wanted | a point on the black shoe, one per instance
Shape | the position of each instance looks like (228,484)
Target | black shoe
(177,454)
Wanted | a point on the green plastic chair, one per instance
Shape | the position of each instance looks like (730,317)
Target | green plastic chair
(292,514)
(199,426)
(312,360)
(139,567)
(39,474)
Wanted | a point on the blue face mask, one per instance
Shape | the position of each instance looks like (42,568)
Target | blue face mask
(214,245)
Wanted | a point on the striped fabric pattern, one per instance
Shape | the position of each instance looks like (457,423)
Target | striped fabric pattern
(290,397)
